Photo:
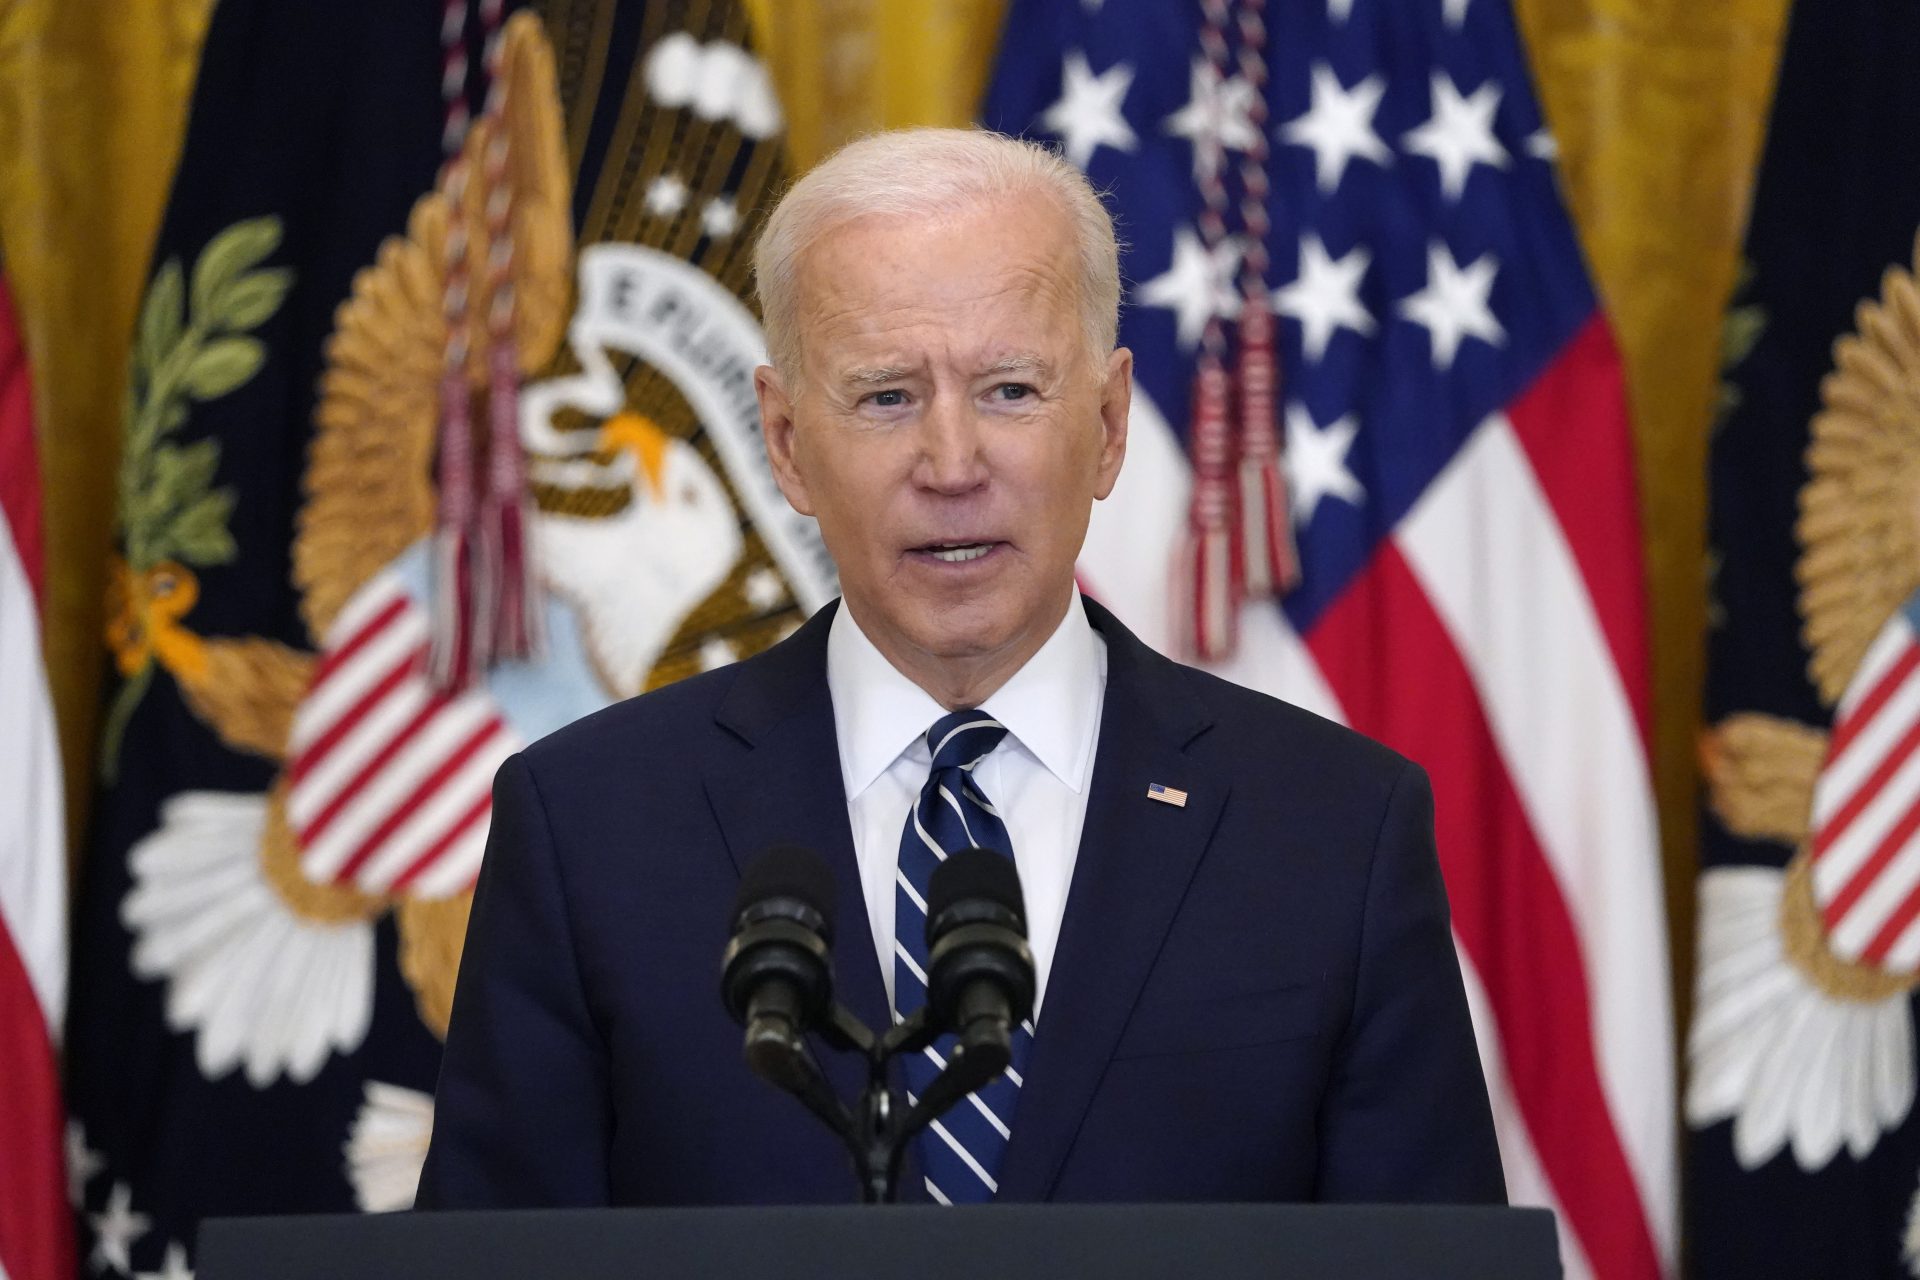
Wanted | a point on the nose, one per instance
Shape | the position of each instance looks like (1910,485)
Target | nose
(952,457)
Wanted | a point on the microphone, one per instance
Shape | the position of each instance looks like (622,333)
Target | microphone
(776,980)
(980,981)
(776,976)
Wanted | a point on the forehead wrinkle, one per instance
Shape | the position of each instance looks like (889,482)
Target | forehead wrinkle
(861,294)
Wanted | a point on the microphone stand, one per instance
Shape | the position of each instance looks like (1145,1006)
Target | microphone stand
(876,1132)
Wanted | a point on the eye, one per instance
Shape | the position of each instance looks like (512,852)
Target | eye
(892,398)
(1013,391)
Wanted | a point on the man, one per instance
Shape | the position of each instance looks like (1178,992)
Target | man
(1247,986)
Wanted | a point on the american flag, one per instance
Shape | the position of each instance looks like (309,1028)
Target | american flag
(36,1241)
(1461,494)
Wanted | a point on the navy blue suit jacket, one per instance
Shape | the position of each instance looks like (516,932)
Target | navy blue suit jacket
(1254,997)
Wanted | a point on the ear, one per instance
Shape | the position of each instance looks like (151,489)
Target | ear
(1116,399)
(776,425)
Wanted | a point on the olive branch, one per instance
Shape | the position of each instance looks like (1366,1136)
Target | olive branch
(191,345)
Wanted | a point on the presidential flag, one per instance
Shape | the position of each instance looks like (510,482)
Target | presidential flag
(1804,1157)
(1453,564)
(440,434)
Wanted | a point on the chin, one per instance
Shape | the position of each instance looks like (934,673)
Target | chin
(957,621)
(968,638)
(963,630)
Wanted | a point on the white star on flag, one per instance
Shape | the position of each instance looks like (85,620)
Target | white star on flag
(1454,306)
(1325,295)
(1454,12)
(1339,125)
(1217,111)
(83,1163)
(1088,116)
(1316,462)
(1339,10)
(1542,145)
(115,1230)
(174,1267)
(666,195)
(1459,134)
(1196,285)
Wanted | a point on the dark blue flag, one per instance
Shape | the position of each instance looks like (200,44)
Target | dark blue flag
(435,278)
(1804,1156)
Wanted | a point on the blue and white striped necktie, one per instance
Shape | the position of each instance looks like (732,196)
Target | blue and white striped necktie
(960,1153)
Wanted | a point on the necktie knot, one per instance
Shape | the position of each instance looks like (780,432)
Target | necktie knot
(961,739)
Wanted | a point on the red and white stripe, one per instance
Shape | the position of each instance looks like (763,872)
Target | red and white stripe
(36,1231)
(389,777)
(1866,808)
(1498,638)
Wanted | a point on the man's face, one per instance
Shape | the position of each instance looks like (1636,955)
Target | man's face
(945,426)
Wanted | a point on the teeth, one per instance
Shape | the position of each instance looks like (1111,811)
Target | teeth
(960,555)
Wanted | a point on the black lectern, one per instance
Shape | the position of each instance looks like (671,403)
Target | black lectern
(1001,1242)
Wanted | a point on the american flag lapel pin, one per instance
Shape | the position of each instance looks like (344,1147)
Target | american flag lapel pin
(1167,795)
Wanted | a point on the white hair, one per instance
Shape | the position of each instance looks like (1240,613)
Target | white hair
(925,173)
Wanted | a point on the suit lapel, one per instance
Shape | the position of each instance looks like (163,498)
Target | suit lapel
(1136,858)
(782,785)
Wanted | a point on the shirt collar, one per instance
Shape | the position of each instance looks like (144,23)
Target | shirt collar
(1050,705)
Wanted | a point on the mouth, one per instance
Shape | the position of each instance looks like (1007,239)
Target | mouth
(956,552)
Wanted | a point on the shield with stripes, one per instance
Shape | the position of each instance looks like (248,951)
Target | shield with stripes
(1866,807)
(390,775)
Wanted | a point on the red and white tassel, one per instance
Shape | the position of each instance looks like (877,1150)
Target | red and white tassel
(484,605)
(451,652)
(1212,576)
(515,618)
(1266,531)
(519,631)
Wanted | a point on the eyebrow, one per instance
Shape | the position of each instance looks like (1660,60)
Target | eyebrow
(881,375)
(874,376)
(1019,364)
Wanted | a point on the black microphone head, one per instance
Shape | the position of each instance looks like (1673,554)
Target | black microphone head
(779,961)
(979,969)
(786,874)
(975,885)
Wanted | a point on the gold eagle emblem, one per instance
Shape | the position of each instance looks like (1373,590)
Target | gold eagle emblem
(637,510)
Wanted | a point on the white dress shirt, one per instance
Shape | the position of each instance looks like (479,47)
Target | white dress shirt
(1037,777)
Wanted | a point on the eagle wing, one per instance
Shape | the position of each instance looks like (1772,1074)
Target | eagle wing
(369,479)
(1760,771)
(1859,526)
